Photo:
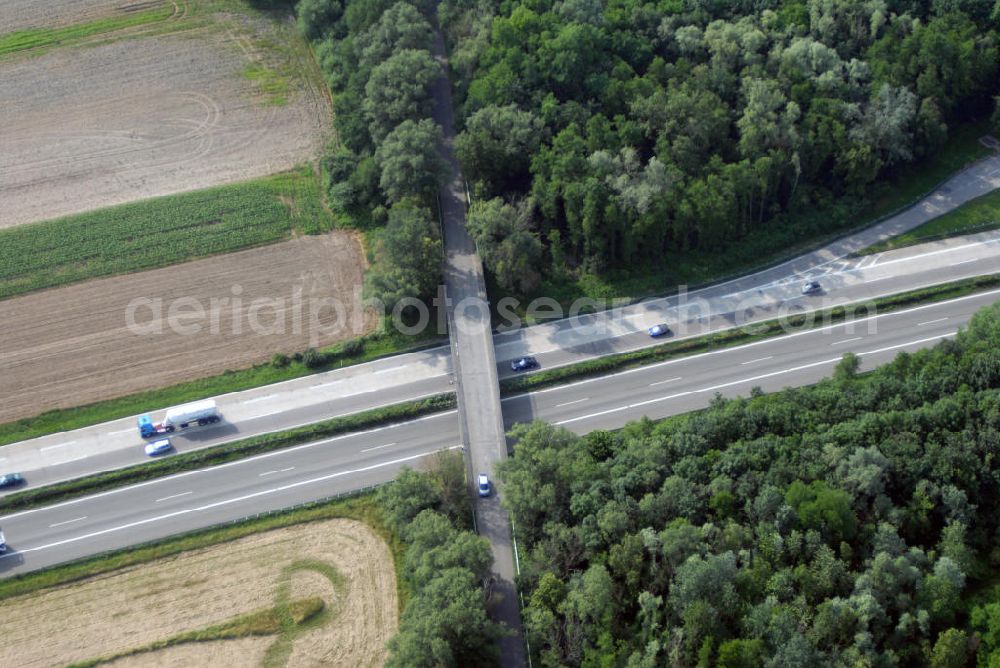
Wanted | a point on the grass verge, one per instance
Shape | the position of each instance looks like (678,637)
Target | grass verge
(43,38)
(732,337)
(221,454)
(364,349)
(161,231)
(782,238)
(978,215)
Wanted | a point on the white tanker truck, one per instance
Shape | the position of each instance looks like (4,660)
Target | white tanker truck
(198,413)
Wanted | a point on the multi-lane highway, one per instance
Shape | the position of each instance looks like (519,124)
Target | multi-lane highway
(166,506)
(392,380)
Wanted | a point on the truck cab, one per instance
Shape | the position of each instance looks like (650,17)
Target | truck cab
(149,429)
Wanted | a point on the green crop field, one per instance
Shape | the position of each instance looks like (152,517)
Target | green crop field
(161,231)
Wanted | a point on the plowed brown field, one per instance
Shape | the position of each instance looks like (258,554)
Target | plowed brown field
(136,606)
(70,346)
(126,117)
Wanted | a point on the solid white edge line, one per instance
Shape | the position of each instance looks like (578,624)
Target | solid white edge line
(753,378)
(238,462)
(225,502)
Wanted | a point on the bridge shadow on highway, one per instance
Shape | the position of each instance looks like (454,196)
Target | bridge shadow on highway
(11,560)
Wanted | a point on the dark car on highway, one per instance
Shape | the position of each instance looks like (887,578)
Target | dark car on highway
(523,364)
(657,331)
(811,288)
(11,480)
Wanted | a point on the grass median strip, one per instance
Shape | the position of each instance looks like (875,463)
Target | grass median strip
(220,454)
(761,330)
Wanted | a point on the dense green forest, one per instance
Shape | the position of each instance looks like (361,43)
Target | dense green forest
(600,134)
(853,523)
(384,170)
(634,127)
(445,565)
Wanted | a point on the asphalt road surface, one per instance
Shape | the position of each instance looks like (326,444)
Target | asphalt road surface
(480,420)
(166,506)
(413,375)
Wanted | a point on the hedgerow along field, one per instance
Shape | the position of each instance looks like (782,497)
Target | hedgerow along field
(161,231)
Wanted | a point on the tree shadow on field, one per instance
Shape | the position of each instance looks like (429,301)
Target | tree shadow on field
(279,8)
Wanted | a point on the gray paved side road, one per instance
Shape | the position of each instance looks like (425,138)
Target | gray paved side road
(477,384)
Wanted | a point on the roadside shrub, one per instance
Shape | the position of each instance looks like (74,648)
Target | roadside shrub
(353,348)
(280,360)
(313,359)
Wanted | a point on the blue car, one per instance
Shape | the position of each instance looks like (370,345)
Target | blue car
(11,480)
(484,485)
(657,331)
(523,364)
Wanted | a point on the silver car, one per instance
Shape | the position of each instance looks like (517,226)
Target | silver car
(158,447)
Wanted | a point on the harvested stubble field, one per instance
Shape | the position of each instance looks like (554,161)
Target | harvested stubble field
(208,100)
(70,346)
(341,561)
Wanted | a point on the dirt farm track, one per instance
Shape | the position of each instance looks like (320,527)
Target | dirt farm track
(114,120)
(71,346)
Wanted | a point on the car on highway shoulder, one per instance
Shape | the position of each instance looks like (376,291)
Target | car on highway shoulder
(657,331)
(484,485)
(158,447)
(3,542)
(811,288)
(11,480)
(523,364)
